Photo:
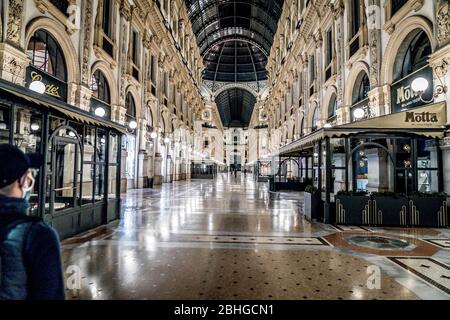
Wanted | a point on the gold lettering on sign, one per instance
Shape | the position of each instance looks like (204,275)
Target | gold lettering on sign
(50,89)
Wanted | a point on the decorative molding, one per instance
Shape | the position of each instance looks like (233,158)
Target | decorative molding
(85,74)
(14,27)
(443,22)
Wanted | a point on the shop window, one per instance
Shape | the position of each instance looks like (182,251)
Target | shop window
(46,55)
(27,137)
(4,123)
(428,166)
(64,168)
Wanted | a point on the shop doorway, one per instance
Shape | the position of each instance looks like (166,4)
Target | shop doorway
(372,165)
(64,170)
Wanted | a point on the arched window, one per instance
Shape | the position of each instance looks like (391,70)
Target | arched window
(149,116)
(332,108)
(46,55)
(315,119)
(413,55)
(361,89)
(130,105)
(100,88)
(411,62)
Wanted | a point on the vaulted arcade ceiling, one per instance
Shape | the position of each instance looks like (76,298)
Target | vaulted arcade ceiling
(235,38)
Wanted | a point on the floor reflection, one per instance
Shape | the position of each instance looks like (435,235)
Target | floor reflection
(232,239)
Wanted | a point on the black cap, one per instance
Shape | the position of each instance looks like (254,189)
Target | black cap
(14,163)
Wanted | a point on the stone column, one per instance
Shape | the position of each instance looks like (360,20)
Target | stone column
(157,165)
(140,169)
(123,175)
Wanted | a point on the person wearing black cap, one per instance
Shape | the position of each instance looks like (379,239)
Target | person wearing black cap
(30,257)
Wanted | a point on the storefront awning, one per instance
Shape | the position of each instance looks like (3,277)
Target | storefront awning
(428,121)
(64,108)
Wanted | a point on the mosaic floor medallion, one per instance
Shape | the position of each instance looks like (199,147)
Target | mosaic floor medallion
(379,242)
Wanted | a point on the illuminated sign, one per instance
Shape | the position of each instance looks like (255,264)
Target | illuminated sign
(53,87)
(404,98)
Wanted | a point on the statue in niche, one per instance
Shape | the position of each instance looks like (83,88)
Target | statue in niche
(443,22)
(14,21)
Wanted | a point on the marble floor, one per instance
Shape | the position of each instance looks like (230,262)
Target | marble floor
(233,239)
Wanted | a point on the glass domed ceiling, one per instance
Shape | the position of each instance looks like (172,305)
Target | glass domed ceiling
(235,61)
(236,107)
(235,38)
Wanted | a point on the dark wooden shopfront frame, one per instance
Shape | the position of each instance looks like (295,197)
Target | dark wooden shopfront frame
(80,217)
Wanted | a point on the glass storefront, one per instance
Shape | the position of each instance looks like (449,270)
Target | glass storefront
(82,162)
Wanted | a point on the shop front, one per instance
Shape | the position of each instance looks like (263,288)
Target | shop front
(78,188)
(394,159)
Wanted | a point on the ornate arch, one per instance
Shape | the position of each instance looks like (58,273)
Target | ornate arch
(106,70)
(135,94)
(331,90)
(64,41)
(314,105)
(357,68)
(402,30)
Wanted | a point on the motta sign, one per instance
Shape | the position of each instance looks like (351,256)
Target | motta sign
(421,117)
(426,117)
(403,97)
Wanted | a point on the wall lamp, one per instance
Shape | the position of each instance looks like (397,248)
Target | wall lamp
(420,85)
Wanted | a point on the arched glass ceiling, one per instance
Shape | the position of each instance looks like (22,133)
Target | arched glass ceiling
(235,61)
(235,38)
(236,107)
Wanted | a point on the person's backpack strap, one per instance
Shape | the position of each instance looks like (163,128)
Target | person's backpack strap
(9,221)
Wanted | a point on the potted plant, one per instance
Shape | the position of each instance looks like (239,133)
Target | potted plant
(352,208)
(313,204)
(428,209)
(389,209)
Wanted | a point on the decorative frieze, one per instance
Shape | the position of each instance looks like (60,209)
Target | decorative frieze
(85,70)
(14,27)
(443,22)
(13,64)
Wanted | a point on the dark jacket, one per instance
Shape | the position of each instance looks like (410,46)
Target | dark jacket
(30,265)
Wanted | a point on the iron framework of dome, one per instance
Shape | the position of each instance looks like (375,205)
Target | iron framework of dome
(236,107)
(235,38)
